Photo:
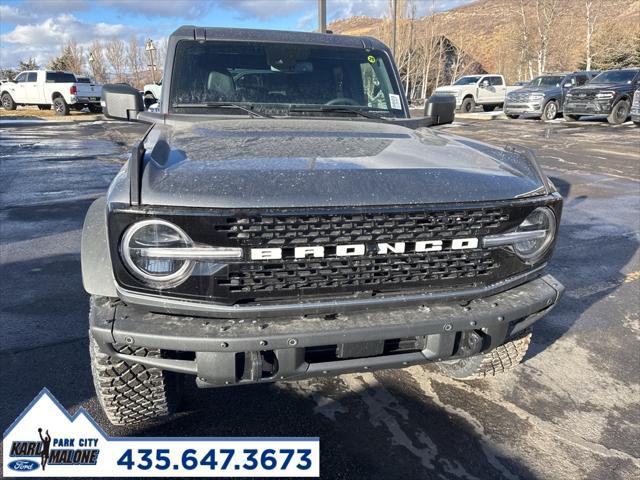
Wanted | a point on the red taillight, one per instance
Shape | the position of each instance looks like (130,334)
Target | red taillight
(73,90)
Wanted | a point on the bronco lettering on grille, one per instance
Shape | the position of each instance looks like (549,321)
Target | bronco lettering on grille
(359,249)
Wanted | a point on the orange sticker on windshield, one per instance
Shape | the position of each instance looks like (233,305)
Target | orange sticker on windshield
(371,59)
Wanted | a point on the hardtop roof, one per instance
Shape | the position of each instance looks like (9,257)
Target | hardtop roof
(192,32)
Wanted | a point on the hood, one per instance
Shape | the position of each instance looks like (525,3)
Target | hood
(452,88)
(534,89)
(596,87)
(283,163)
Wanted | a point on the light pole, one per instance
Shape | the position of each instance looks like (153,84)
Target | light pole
(91,60)
(322,16)
(150,49)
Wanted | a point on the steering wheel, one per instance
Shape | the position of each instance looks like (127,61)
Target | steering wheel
(343,101)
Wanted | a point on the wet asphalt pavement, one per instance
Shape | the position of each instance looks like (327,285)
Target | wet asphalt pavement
(572,410)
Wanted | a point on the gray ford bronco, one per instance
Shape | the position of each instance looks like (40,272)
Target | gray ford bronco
(284,217)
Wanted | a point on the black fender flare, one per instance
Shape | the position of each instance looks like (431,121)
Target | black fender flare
(97,272)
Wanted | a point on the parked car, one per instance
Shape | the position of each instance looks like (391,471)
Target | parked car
(151,93)
(471,90)
(543,97)
(303,224)
(45,88)
(635,108)
(609,93)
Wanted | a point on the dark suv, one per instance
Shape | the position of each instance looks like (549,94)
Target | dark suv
(610,93)
(543,97)
(284,217)
(635,108)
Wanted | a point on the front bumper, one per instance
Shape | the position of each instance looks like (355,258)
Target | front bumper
(228,352)
(524,109)
(453,94)
(591,107)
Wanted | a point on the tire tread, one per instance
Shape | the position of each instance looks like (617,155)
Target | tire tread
(492,363)
(131,392)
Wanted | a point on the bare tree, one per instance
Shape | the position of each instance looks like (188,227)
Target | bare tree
(546,14)
(461,62)
(97,62)
(115,53)
(75,55)
(161,53)
(134,59)
(591,17)
(430,50)
(71,58)
(524,61)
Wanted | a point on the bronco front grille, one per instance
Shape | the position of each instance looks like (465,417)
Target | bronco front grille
(246,280)
(290,277)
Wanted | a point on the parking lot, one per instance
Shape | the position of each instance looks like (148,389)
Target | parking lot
(571,410)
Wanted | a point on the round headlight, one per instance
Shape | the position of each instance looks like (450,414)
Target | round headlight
(543,221)
(139,242)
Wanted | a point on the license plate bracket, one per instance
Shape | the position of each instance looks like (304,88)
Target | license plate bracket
(360,349)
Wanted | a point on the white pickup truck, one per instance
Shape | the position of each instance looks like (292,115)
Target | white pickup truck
(45,88)
(471,90)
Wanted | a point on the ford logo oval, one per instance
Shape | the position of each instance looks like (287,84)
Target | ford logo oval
(23,465)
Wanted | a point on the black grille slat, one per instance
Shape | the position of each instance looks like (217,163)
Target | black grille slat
(367,272)
(330,230)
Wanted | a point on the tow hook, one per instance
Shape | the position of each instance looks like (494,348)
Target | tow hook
(470,344)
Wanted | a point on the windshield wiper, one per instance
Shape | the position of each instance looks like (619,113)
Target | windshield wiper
(335,108)
(251,112)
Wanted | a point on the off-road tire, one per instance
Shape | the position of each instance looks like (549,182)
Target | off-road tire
(571,118)
(149,100)
(619,113)
(489,364)
(488,108)
(131,392)
(468,105)
(60,106)
(550,111)
(95,108)
(513,117)
(7,102)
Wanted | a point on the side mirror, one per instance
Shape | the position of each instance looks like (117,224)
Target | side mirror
(440,108)
(568,85)
(485,83)
(121,101)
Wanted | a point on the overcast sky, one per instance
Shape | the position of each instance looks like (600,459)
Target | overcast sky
(37,28)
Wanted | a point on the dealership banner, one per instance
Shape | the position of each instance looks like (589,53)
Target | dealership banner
(45,441)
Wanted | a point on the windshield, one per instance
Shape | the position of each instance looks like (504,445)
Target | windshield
(615,76)
(279,76)
(467,80)
(546,81)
